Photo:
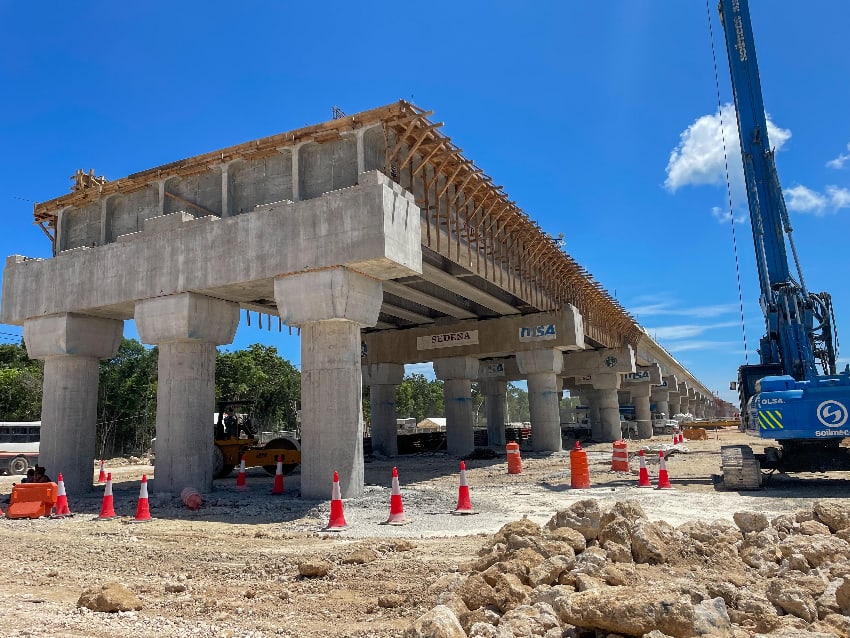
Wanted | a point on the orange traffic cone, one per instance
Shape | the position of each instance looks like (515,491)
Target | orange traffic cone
(663,478)
(278,477)
(514,458)
(240,478)
(643,475)
(62,498)
(579,472)
(337,519)
(143,512)
(102,476)
(107,509)
(191,498)
(464,506)
(396,508)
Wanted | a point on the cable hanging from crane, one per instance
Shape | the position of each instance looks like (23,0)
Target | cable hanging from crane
(728,183)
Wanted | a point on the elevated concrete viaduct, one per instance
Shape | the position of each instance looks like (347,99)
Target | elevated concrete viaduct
(366,232)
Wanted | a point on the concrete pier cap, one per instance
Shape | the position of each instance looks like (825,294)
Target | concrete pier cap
(186,317)
(72,334)
(328,294)
(71,346)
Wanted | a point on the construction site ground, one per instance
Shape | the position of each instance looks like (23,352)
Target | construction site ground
(231,568)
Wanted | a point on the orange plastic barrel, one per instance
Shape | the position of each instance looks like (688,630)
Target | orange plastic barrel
(514,458)
(620,457)
(579,474)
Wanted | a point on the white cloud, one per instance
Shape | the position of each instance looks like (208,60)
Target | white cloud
(838,162)
(839,197)
(684,346)
(667,308)
(723,217)
(699,159)
(685,331)
(804,200)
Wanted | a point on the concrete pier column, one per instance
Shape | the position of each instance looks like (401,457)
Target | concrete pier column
(542,368)
(457,374)
(495,410)
(640,398)
(330,306)
(71,346)
(383,379)
(609,414)
(659,395)
(187,327)
(591,399)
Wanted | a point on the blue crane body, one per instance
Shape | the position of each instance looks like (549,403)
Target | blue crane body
(794,394)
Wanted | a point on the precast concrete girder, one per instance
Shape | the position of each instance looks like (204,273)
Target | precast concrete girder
(71,346)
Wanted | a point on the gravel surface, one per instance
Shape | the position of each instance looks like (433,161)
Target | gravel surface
(231,569)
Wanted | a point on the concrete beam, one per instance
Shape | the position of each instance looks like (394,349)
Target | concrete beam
(504,336)
(449,282)
(429,301)
(372,228)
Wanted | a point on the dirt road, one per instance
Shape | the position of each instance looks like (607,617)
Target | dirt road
(232,568)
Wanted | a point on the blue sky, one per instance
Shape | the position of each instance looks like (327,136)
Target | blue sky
(599,119)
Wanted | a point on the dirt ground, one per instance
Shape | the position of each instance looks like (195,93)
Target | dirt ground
(231,569)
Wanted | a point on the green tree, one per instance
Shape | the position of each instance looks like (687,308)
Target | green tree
(126,406)
(20,384)
(260,374)
(419,398)
(518,411)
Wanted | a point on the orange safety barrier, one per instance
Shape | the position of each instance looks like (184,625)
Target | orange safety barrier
(514,458)
(620,457)
(579,472)
(32,500)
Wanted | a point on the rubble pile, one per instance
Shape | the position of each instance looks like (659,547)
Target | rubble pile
(615,574)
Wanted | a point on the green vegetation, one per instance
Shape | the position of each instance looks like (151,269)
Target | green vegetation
(126,406)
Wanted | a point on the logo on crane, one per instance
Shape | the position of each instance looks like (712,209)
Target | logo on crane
(832,413)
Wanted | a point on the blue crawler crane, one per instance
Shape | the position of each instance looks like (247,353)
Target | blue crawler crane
(793,395)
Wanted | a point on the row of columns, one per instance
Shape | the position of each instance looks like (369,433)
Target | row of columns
(330,306)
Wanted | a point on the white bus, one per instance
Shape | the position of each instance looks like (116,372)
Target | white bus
(19,442)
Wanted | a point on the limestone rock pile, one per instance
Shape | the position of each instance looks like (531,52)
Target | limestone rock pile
(615,574)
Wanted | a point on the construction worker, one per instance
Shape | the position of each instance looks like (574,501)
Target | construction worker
(40,476)
(30,478)
(231,423)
